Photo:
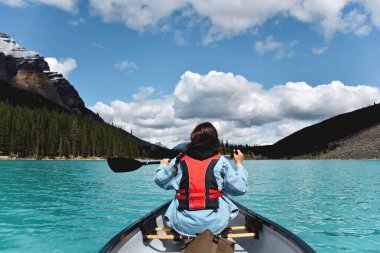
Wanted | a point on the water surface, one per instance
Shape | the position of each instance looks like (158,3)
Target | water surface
(77,206)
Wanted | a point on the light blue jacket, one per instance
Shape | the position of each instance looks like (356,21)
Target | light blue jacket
(233,182)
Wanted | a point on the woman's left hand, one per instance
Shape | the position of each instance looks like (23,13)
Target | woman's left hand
(239,157)
(165,161)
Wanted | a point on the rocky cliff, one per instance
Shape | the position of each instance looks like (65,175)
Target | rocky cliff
(28,71)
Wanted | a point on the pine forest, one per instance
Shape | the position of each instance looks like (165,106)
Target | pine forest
(41,133)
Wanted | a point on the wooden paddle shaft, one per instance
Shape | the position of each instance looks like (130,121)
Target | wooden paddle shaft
(158,162)
(151,162)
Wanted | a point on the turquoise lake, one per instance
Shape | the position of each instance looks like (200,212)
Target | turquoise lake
(77,206)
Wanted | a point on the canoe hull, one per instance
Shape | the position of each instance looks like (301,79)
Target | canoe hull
(270,237)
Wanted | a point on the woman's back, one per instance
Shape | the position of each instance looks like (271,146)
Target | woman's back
(192,222)
(201,178)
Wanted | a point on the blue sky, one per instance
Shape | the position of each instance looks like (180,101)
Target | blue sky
(259,70)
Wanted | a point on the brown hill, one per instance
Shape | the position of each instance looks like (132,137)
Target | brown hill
(353,135)
(362,145)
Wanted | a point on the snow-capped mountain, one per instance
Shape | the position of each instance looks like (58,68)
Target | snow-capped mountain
(160,144)
(180,146)
(9,47)
(28,70)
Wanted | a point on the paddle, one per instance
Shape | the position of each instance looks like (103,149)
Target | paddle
(122,164)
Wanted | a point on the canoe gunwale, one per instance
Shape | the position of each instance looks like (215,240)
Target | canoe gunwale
(302,245)
(126,231)
(276,227)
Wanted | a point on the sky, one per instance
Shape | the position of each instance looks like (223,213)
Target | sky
(258,70)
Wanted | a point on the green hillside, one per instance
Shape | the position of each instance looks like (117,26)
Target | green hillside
(32,126)
(39,132)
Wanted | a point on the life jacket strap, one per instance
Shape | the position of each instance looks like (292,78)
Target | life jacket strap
(186,194)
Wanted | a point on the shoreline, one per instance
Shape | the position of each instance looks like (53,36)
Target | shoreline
(8,158)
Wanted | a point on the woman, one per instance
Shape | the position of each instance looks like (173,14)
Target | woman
(201,177)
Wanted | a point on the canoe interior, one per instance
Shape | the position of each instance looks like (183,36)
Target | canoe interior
(271,236)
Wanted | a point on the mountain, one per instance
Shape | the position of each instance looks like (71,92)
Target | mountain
(42,115)
(160,144)
(353,135)
(180,147)
(155,151)
(32,100)
(363,145)
(28,71)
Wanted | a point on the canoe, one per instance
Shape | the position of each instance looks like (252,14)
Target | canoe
(264,236)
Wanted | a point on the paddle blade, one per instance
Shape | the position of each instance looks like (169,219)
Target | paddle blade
(120,164)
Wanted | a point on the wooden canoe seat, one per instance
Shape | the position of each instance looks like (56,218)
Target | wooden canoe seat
(175,236)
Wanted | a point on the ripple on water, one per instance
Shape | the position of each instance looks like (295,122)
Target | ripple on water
(333,205)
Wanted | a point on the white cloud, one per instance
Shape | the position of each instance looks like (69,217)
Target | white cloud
(281,49)
(66,5)
(13,3)
(223,19)
(179,38)
(137,15)
(152,120)
(355,22)
(228,18)
(319,50)
(263,47)
(143,93)
(288,127)
(77,22)
(324,14)
(373,6)
(363,30)
(126,65)
(63,66)
(243,111)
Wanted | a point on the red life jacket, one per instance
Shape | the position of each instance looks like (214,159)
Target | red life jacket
(198,188)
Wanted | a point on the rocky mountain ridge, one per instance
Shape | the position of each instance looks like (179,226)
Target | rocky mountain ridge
(28,71)
(352,135)
(28,86)
(364,144)
(180,146)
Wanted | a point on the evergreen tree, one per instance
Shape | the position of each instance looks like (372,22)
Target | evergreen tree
(39,132)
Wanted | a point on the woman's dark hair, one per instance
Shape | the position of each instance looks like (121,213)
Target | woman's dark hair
(204,134)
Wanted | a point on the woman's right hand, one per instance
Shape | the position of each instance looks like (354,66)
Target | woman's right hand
(165,161)
(239,157)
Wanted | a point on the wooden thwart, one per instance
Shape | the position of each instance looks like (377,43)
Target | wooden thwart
(163,237)
(171,237)
(240,235)
(232,228)
(238,228)
(164,229)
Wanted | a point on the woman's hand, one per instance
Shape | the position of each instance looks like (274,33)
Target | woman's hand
(165,161)
(239,157)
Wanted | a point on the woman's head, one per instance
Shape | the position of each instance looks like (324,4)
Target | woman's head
(206,134)
(204,143)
